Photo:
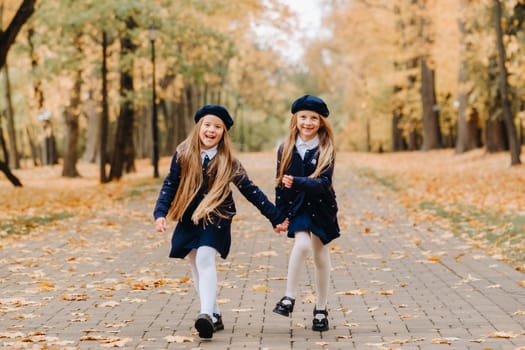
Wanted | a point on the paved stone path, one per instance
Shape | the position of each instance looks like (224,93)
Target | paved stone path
(106,281)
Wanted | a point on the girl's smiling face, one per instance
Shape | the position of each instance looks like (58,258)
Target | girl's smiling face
(211,131)
(308,124)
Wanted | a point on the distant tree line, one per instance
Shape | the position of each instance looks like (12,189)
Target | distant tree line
(79,80)
(426,74)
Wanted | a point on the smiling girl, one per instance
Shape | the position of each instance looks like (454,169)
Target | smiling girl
(196,194)
(304,193)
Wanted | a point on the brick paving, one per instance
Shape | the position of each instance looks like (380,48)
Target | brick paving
(106,281)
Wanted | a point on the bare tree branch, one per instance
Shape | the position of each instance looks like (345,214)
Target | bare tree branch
(8,37)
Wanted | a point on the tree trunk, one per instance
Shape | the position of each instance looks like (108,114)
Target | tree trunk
(4,166)
(495,136)
(38,93)
(14,158)
(508,118)
(7,37)
(398,143)
(49,152)
(468,135)
(71,141)
(413,139)
(123,153)
(91,152)
(72,115)
(431,129)
(10,176)
(104,119)
(143,140)
(467,128)
(34,148)
(169,126)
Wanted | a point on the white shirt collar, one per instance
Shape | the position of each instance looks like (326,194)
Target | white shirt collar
(303,146)
(208,152)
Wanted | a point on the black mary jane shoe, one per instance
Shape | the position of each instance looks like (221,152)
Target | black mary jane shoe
(204,326)
(320,325)
(284,309)
(218,325)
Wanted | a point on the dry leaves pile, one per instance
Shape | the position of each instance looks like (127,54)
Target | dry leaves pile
(47,196)
(477,196)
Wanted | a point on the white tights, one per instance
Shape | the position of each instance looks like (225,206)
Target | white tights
(202,262)
(304,242)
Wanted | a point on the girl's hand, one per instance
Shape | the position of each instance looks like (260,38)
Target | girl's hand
(283,226)
(287,181)
(160,225)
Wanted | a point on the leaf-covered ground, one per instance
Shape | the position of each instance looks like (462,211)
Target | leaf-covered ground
(477,196)
(83,267)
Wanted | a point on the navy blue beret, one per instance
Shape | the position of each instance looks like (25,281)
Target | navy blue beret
(216,110)
(310,103)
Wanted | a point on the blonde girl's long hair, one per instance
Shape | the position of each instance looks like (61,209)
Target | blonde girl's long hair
(220,172)
(326,148)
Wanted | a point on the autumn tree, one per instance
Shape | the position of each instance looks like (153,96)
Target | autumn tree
(508,117)
(467,117)
(7,38)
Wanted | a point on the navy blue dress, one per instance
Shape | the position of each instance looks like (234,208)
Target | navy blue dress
(217,234)
(311,203)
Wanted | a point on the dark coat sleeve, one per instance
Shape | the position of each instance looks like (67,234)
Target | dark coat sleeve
(168,190)
(255,196)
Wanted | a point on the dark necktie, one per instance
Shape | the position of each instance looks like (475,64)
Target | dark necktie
(205,163)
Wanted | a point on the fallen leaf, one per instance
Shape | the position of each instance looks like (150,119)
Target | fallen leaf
(265,254)
(178,339)
(115,342)
(505,335)
(242,310)
(478,340)
(11,335)
(351,325)
(360,291)
(386,292)
(111,303)
(441,341)
(261,288)
(74,297)
(343,337)
(459,257)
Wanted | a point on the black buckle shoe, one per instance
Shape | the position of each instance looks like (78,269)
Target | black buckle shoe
(218,325)
(320,325)
(284,309)
(204,326)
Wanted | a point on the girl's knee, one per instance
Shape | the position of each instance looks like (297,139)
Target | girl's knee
(205,256)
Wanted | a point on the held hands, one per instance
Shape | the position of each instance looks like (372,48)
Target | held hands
(287,181)
(160,225)
(282,227)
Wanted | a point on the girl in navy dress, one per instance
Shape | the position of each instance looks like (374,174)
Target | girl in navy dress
(304,193)
(196,194)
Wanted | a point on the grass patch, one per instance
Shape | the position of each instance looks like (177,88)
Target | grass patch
(24,224)
(504,232)
(387,181)
(141,189)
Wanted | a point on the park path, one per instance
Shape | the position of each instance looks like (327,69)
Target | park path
(106,281)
